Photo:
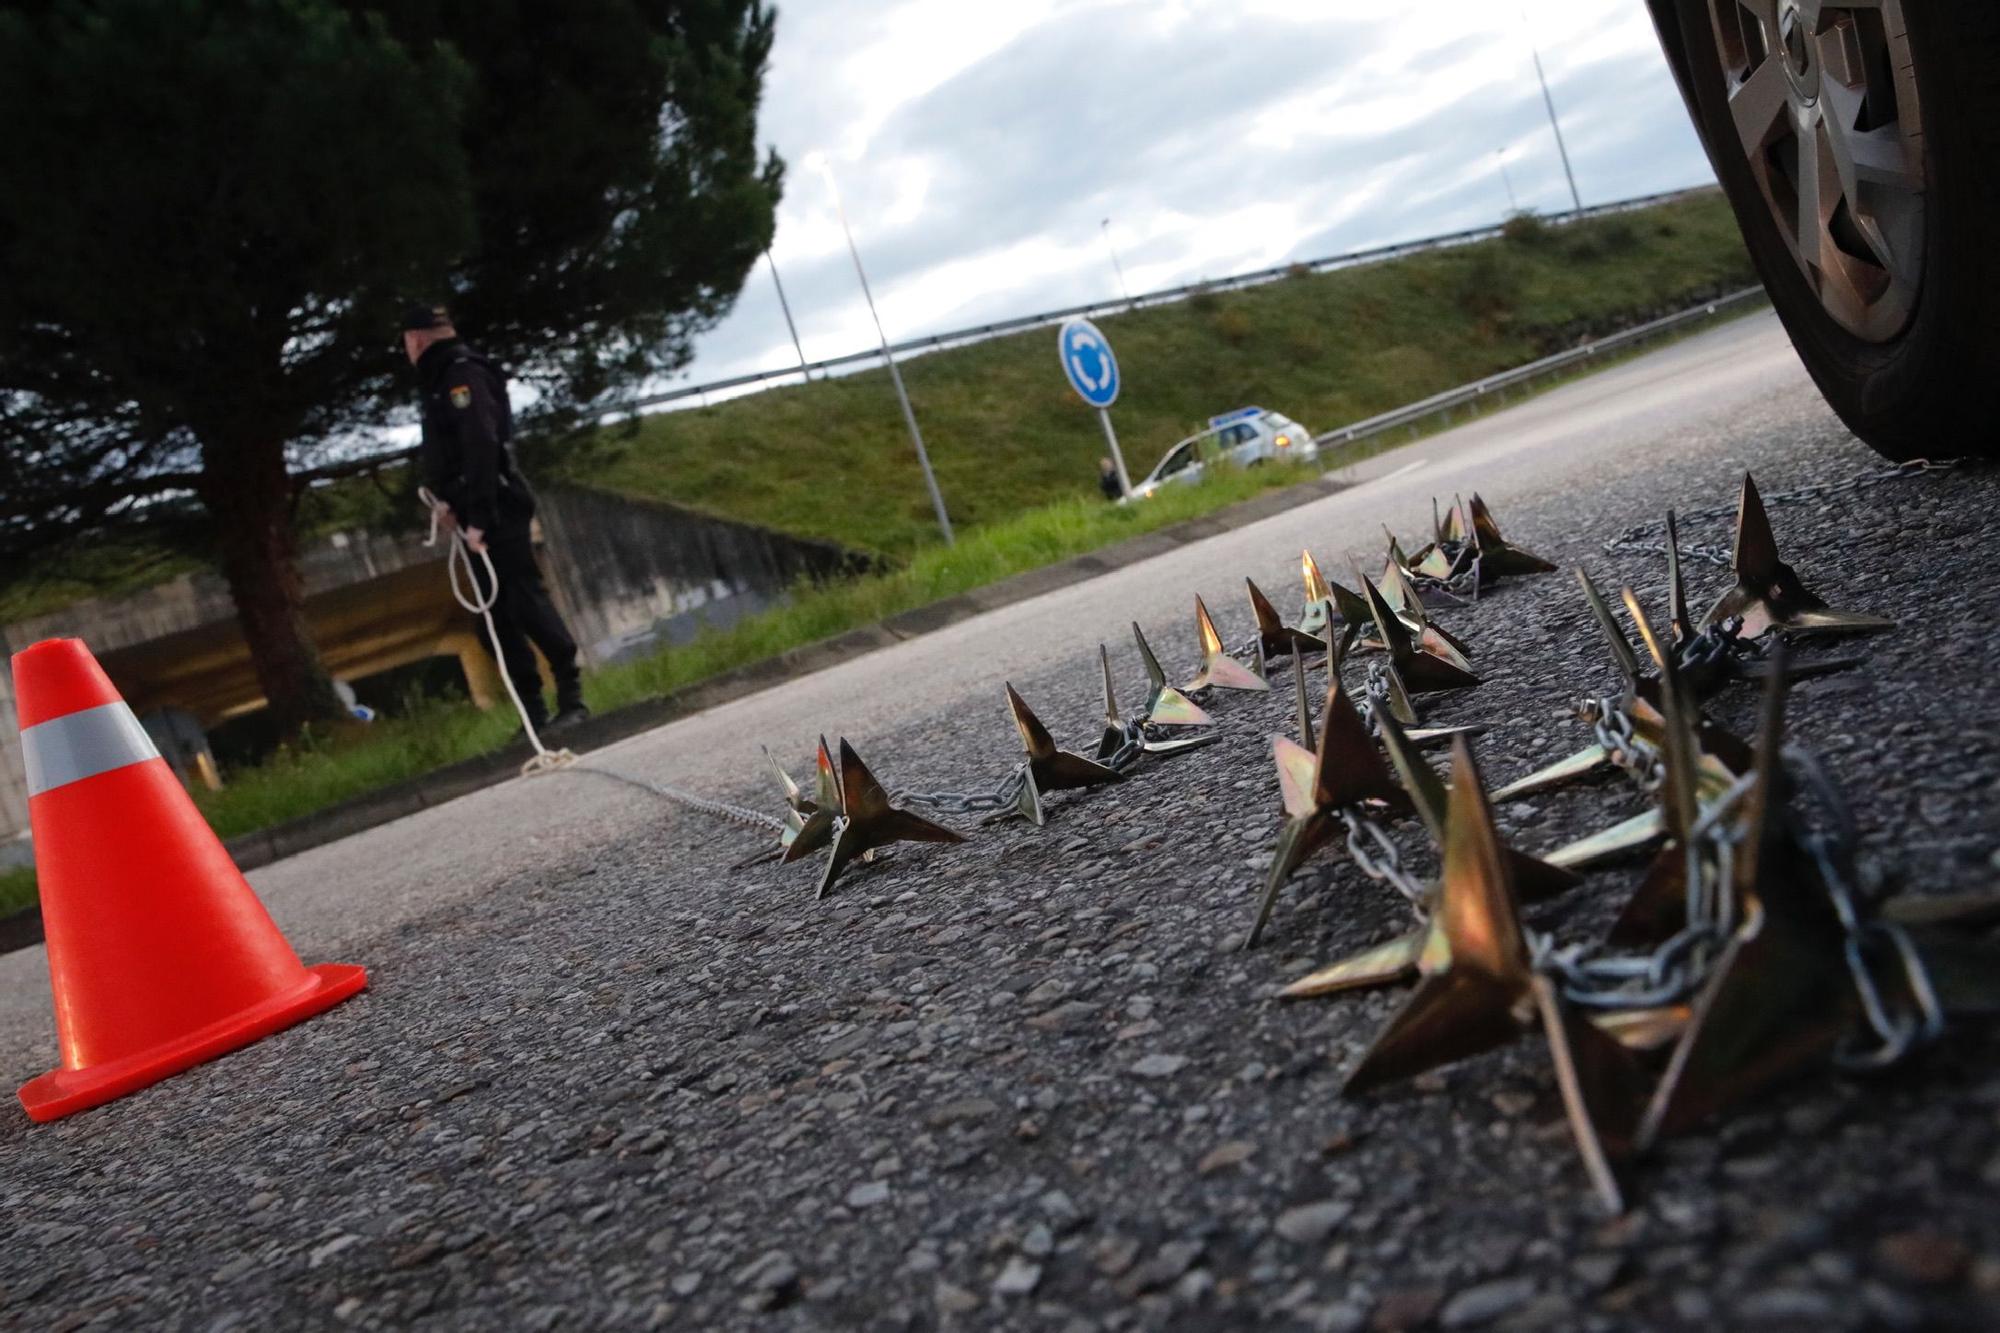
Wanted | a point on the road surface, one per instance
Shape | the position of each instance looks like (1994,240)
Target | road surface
(1025,1082)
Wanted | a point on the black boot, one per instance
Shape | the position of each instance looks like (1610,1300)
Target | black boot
(570,709)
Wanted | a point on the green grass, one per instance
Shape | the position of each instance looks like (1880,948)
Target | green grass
(986,555)
(322,770)
(17,890)
(831,459)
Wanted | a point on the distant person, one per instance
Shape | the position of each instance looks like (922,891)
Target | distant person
(1107,480)
(468,424)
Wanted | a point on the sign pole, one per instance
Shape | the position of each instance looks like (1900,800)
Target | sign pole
(1117,456)
(1091,369)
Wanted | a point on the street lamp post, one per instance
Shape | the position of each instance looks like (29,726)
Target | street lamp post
(1116,267)
(1513,206)
(1550,103)
(895,375)
(786,306)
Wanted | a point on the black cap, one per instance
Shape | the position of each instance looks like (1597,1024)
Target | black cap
(418,318)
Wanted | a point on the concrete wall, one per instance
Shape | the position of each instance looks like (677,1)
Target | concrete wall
(631,576)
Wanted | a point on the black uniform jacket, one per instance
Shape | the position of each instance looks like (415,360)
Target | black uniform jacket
(468,423)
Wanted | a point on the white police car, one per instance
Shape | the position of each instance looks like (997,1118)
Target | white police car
(1245,437)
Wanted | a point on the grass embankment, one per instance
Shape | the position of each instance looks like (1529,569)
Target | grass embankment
(831,459)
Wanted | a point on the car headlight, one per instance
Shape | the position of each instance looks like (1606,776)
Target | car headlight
(1284,441)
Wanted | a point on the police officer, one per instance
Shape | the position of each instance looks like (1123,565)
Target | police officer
(465,461)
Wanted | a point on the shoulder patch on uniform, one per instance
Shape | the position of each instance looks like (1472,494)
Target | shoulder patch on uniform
(461,395)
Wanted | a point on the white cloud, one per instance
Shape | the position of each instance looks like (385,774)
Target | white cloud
(978,147)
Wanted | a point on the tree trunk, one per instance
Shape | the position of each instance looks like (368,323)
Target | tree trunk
(247,491)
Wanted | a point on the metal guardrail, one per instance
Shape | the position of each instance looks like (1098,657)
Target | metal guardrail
(1469,394)
(1165,296)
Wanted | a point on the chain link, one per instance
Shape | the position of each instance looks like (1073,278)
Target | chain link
(1870,942)
(734,814)
(1003,796)
(1650,538)
(1633,753)
(1370,846)
(1463,581)
(1680,965)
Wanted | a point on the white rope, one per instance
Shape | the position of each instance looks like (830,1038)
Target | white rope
(460,557)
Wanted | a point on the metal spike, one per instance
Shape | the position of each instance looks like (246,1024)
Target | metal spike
(1305,704)
(1457,527)
(1498,559)
(1296,765)
(1274,637)
(1629,835)
(1644,1030)
(1218,669)
(1318,616)
(1769,594)
(1403,594)
(1976,910)
(1048,769)
(1681,803)
(797,808)
(1682,624)
(1587,760)
(1533,879)
(1421,670)
(817,831)
(1379,965)
(1165,705)
(794,798)
(1346,772)
(1621,647)
(868,820)
(1432,637)
(1475,991)
(1604,1089)
(1777,999)
(1962,970)
(1113,738)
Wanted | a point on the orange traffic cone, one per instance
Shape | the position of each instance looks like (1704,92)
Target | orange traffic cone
(160,953)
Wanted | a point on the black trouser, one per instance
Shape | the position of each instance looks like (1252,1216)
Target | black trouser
(524,615)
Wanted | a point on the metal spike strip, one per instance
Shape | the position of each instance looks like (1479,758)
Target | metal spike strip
(1274,637)
(868,820)
(1769,594)
(818,828)
(1218,669)
(797,809)
(1497,557)
(1165,705)
(1776,1000)
(1421,669)
(1346,772)
(1048,769)
(1118,733)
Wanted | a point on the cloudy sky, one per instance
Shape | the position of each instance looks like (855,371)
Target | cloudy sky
(979,146)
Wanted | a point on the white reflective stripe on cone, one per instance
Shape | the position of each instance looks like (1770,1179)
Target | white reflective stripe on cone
(83,744)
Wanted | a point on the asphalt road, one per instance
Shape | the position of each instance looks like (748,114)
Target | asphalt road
(1023,1083)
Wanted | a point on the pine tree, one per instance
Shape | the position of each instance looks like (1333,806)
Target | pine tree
(212,211)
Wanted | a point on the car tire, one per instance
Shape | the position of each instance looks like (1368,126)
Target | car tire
(1922,390)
